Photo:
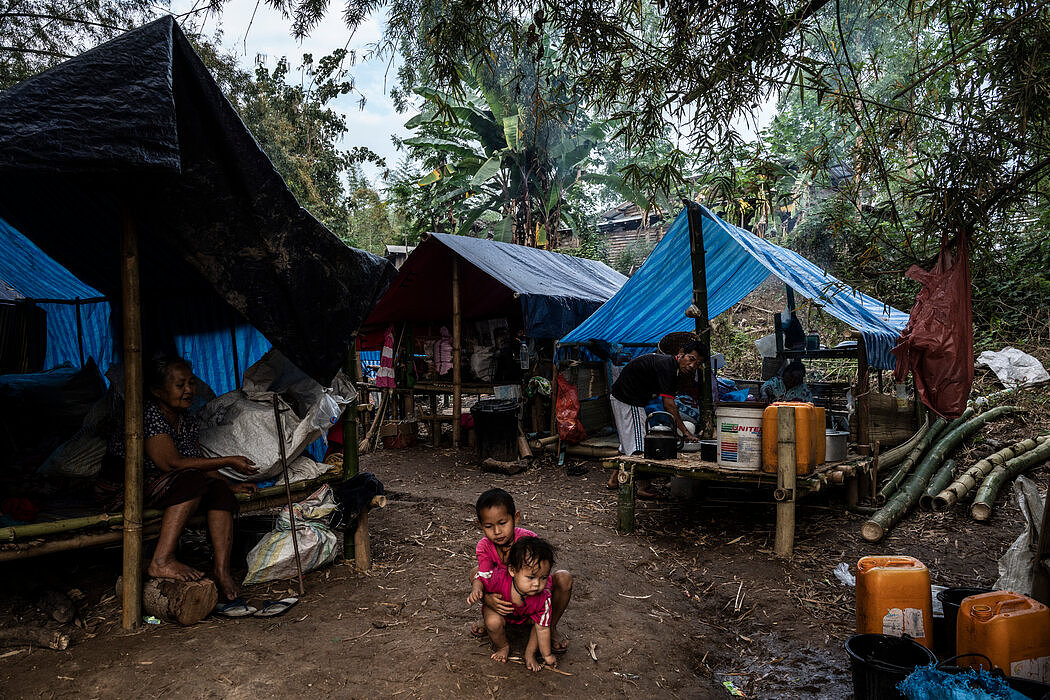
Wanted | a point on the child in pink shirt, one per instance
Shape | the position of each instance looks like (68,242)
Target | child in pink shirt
(497,518)
(524,583)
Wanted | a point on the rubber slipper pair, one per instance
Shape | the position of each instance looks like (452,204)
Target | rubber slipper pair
(273,608)
(238,607)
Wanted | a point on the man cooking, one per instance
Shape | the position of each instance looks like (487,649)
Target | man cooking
(640,380)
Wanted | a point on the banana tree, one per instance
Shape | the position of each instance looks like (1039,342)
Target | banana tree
(501,165)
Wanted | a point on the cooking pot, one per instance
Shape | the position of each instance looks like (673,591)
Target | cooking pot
(661,442)
(835,445)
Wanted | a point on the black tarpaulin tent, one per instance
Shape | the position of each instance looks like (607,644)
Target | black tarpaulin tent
(129,167)
(137,127)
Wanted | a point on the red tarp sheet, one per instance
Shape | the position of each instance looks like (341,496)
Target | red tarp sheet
(937,344)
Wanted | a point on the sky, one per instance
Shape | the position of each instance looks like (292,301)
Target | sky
(268,35)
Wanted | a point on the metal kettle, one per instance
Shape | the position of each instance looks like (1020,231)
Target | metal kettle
(662,444)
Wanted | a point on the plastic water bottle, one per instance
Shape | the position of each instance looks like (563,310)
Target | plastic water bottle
(523,355)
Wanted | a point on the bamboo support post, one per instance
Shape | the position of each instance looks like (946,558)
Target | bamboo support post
(863,397)
(457,340)
(784,543)
(362,543)
(694,217)
(131,609)
(351,449)
(625,505)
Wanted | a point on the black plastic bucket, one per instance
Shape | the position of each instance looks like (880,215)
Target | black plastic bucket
(1029,688)
(879,662)
(951,599)
(496,429)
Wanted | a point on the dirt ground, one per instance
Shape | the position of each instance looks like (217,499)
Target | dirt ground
(694,598)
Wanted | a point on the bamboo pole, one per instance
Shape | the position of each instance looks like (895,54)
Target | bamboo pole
(898,506)
(891,485)
(985,498)
(941,479)
(625,503)
(457,383)
(968,479)
(784,543)
(351,450)
(702,321)
(863,394)
(288,490)
(131,608)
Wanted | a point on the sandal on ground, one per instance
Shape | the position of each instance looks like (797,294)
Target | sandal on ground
(238,607)
(273,608)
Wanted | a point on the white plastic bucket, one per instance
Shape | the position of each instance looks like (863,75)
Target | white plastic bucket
(739,434)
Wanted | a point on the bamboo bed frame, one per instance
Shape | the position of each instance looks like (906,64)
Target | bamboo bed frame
(37,539)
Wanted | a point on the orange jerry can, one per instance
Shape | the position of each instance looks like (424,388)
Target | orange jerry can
(1011,629)
(893,597)
(809,436)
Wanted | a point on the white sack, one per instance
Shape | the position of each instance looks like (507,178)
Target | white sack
(1013,367)
(242,422)
(274,557)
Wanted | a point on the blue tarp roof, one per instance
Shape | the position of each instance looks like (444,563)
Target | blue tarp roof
(217,355)
(36,276)
(555,292)
(653,302)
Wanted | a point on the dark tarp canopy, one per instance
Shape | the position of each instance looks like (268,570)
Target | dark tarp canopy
(136,129)
(553,292)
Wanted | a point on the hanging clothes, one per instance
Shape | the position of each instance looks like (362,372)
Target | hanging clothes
(937,344)
(443,352)
(385,377)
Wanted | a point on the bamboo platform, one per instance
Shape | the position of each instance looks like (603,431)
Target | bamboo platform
(691,466)
(37,539)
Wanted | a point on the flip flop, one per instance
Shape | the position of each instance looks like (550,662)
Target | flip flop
(238,607)
(273,608)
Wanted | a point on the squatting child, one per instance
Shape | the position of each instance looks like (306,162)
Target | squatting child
(524,584)
(497,518)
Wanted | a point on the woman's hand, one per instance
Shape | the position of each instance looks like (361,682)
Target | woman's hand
(244,487)
(242,465)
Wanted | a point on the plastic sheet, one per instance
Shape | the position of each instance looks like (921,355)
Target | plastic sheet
(138,130)
(1017,563)
(937,344)
(1013,367)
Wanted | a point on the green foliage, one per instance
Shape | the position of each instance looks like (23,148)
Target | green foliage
(37,34)
(301,133)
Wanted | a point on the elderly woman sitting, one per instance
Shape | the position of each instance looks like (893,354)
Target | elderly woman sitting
(177,477)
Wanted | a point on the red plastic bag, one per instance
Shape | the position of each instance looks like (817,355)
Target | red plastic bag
(937,344)
(567,410)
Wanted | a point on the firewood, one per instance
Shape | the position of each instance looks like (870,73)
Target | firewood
(185,602)
(23,635)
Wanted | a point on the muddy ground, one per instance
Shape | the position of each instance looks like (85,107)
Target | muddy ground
(694,598)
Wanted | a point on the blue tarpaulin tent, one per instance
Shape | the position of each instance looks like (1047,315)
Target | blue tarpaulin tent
(652,303)
(34,276)
(554,292)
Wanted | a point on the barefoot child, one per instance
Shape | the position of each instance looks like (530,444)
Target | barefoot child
(497,518)
(524,584)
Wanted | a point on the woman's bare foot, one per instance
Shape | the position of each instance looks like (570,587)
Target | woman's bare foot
(228,588)
(173,569)
(501,654)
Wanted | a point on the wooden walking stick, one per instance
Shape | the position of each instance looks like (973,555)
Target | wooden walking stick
(288,492)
